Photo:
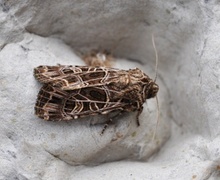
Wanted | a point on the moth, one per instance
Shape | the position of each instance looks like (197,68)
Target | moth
(71,92)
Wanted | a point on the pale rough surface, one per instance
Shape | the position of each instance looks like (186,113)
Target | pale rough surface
(187,37)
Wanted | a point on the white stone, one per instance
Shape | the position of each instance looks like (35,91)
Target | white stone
(48,32)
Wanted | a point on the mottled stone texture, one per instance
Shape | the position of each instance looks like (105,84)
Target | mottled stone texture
(187,37)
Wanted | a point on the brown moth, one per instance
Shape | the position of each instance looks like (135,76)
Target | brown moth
(71,92)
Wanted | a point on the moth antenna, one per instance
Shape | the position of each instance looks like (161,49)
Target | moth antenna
(156,69)
(156,55)
(158,119)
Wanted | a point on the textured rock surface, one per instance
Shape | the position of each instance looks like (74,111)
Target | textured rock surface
(187,38)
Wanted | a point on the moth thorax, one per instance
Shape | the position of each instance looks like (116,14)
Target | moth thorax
(136,73)
(151,90)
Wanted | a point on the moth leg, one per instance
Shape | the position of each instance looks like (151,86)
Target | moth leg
(110,121)
(106,125)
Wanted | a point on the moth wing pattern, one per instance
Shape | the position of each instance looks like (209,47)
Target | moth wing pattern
(54,103)
(77,77)
(71,92)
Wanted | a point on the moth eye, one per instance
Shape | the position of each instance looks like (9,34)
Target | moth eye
(151,90)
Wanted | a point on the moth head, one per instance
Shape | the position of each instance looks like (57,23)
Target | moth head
(151,90)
